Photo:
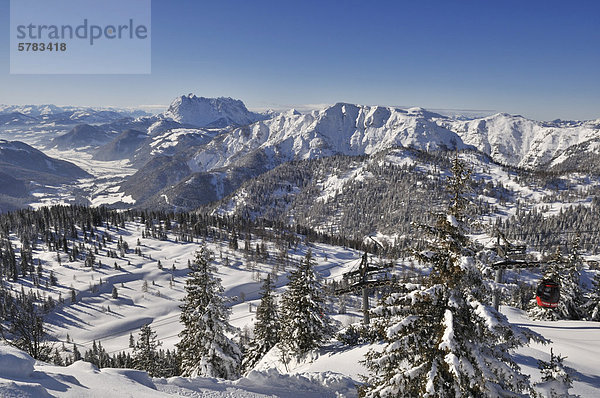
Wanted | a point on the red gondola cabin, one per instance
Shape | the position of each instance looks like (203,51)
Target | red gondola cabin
(548,294)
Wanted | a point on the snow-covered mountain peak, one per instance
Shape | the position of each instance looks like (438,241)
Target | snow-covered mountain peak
(518,141)
(417,111)
(342,128)
(292,112)
(210,112)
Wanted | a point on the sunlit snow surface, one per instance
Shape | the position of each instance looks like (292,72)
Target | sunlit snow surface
(82,379)
(335,369)
(96,316)
(578,341)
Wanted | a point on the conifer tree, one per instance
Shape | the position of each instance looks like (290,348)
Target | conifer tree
(266,328)
(572,296)
(53,279)
(145,354)
(440,339)
(98,356)
(304,321)
(204,347)
(592,305)
(556,378)
(76,353)
(57,359)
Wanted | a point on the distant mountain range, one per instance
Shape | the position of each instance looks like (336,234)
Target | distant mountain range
(216,166)
(49,110)
(19,115)
(203,149)
(522,142)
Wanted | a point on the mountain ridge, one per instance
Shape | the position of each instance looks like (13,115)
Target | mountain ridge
(175,160)
(220,163)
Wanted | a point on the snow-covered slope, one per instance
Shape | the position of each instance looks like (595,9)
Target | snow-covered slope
(210,112)
(518,141)
(22,377)
(176,140)
(335,369)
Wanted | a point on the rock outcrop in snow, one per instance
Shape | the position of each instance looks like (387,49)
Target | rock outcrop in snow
(210,112)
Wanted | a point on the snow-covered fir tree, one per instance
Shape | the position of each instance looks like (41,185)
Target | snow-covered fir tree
(567,273)
(205,348)
(572,294)
(57,359)
(556,378)
(266,328)
(592,305)
(440,339)
(305,324)
(145,354)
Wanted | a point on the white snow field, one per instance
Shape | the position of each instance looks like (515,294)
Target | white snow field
(578,341)
(332,372)
(21,376)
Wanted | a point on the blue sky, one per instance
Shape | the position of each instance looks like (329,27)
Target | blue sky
(540,59)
